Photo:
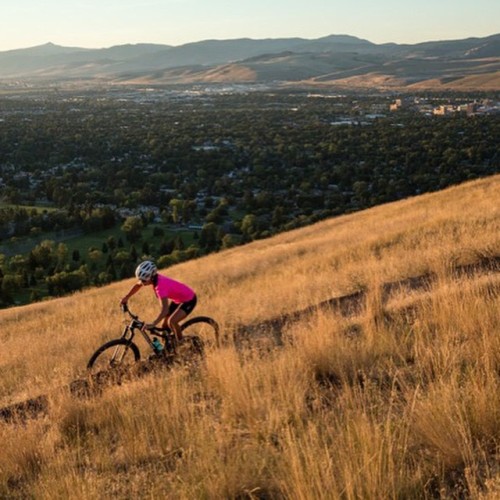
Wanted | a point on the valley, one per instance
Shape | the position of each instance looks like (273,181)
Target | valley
(91,181)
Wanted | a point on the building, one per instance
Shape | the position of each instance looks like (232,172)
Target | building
(399,104)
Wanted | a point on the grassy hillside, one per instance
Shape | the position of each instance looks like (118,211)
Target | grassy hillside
(341,70)
(397,397)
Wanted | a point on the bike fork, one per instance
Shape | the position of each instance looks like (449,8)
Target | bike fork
(119,354)
(120,350)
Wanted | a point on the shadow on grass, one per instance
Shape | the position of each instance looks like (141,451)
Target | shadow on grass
(243,335)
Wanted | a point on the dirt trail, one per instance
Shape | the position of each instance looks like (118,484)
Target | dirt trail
(89,386)
(243,335)
(354,304)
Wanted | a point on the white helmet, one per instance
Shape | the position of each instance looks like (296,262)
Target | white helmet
(145,270)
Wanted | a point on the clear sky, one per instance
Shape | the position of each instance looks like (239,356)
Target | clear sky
(103,23)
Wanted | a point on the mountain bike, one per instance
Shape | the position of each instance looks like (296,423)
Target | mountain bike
(198,333)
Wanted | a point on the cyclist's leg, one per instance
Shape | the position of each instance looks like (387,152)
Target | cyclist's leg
(173,322)
(180,312)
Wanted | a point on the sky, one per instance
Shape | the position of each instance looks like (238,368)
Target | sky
(104,23)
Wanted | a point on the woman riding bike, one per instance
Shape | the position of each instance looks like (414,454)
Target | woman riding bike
(182,298)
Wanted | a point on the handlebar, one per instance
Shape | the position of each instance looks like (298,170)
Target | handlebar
(125,309)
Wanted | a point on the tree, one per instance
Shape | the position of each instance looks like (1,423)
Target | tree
(122,257)
(167,247)
(11,283)
(18,263)
(278,217)
(228,241)
(133,254)
(43,254)
(64,282)
(95,255)
(176,209)
(61,255)
(208,238)
(111,243)
(132,227)
(249,226)
(179,243)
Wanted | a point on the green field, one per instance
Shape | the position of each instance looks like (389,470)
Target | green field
(83,244)
(95,240)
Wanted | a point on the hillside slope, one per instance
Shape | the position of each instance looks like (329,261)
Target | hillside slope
(345,70)
(398,397)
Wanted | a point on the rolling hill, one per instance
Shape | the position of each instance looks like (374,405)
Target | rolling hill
(361,359)
(336,60)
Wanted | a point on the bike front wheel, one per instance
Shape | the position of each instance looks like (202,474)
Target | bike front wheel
(113,354)
(205,329)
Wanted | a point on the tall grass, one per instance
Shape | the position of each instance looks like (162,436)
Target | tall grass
(400,400)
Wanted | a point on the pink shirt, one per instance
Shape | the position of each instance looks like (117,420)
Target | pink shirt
(173,290)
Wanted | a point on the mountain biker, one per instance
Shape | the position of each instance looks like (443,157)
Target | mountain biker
(182,298)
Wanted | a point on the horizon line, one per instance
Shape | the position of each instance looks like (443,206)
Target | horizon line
(50,43)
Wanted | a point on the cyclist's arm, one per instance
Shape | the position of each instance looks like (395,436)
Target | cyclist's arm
(162,315)
(135,288)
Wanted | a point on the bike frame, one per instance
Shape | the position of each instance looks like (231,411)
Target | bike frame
(118,348)
(136,324)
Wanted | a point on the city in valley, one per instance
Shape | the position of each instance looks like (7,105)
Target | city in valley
(92,179)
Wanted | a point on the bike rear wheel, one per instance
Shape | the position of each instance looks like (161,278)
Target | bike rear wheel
(205,329)
(113,354)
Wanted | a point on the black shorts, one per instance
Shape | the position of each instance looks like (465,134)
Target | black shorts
(187,307)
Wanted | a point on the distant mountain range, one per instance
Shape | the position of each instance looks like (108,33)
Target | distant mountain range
(336,60)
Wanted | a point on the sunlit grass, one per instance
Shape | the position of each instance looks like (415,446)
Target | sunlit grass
(400,400)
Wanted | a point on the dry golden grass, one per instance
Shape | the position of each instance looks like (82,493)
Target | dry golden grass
(400,401)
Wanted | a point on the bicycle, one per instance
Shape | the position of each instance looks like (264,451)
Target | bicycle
(199,333)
